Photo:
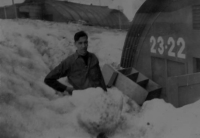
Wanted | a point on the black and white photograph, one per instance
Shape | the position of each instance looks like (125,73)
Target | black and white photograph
(99,69)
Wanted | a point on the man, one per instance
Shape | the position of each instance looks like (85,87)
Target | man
(82,69)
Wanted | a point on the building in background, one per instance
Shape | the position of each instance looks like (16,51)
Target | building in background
(64,11)
(93,2)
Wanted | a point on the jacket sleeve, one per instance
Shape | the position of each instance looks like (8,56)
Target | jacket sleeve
(58,72)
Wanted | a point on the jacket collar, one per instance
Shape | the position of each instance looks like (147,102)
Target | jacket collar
(76,55)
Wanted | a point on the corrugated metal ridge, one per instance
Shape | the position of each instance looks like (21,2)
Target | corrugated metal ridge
(149,10)
(77,10)
(196,17)
(64,10)
(103,12)
(138,25)
(99,12)
(116,14)
(60,10)
(90,15)
(69,9)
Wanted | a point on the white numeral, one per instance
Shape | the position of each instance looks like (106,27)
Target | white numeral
(172,43)
(153,41)
(161,45)
(181,42)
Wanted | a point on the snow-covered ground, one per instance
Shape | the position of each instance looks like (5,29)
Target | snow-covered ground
(30,109)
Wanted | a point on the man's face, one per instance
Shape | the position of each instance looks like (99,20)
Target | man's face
(82,45)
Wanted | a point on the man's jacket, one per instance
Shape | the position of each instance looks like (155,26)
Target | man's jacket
(80,75)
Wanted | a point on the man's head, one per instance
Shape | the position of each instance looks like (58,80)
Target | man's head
(81,42)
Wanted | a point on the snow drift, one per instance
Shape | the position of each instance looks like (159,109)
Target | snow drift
(30,109)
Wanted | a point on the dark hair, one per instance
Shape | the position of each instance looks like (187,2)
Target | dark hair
(79,34)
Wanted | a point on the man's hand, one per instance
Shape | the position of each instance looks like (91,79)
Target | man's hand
(67,92)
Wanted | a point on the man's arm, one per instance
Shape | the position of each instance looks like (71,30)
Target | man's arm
(58,72)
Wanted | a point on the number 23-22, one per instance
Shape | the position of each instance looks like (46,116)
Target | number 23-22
(170,42)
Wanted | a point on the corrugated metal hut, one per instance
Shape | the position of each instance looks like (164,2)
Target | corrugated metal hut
(8,12)
(64,11)
(88,14)
(163,44)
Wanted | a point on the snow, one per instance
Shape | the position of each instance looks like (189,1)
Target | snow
(30,109)
(101,112)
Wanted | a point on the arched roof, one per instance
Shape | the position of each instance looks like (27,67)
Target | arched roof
(146,13)
(91,14)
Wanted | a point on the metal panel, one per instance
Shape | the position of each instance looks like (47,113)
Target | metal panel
(60,10)
(95,15)
(111,20)
(126,44)
(91,18)
(196,17)
(189,94)
(182,90)
(101,13)
(99,17)
(175,68)
(114,22)
(196,65)
(92,14)
(105,12)
(77,9)
(158,70)
(163,68)
(131,44)
(73,13)
(126,24)
(119,18)
(115,18)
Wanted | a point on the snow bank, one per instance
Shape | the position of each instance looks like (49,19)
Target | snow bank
(28,51)
(101,112)
(30,109)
